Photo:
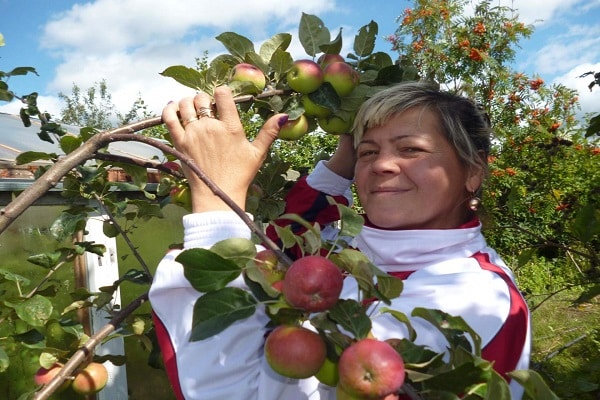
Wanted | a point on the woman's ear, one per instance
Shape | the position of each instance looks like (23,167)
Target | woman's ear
(476,175)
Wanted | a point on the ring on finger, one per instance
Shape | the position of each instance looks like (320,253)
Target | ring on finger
(189,121)
(205,112)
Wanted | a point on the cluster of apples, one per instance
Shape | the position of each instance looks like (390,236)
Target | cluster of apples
(305,77)
(367,369)
(88,380)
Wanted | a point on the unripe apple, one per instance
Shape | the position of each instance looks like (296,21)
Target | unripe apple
(313,109)
(371,368)
(91,379)
(342,77)
(313,283)
(294,351)
(325,59)
(268,264)
(328,373)
(335,125)
(43,376)
(245,72)
(180,195)
(305,76)
(294,129)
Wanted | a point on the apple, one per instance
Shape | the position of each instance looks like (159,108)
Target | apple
(268,264)
(328,373)
(335,125)
(245,72)
(325,59)
(371,368)
(342,77)
(341,394)
(305,76)
(294,129)
(312,283)
(43,376)
(294,351)
(91,379)
(313,109)
(180,195)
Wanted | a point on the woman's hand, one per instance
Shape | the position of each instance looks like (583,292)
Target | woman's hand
(219,147)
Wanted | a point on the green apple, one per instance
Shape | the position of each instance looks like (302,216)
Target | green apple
(294,129)
(313,109)
(245,72)
(342,77)
(328,373)
(335,125)
(305,76)
(326,59)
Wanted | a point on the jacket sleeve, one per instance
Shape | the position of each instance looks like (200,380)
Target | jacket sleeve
(227,365)
(308,199)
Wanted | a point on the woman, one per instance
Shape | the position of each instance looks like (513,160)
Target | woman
(418,160)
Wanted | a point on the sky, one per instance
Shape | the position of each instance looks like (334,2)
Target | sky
(128,43)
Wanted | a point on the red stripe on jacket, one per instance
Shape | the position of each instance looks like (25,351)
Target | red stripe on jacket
(169,356)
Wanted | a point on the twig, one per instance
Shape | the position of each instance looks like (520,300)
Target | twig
(564,347)
(87,350)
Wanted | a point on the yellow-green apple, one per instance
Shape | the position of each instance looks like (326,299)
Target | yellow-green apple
(312,283)
(43,376)
(294,351)
(305,76)
(181,196)
(245,72)
(294,129)
(90,379)
(325,59)
(371,368)
(328,373)
(268,264)
(342,77)
(335,125)
(313,109)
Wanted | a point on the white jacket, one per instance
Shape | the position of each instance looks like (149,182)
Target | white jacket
(453,270)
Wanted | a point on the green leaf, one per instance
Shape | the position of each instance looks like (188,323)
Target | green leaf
(237,45)
(46,260)
(457,380)
(364,41)
(215,311)
(534,385)
(280,41)
(389,286)
(4,360)
(22,71)
(31,156)
(352,317)
(351,222)
(400,316)
(186,76)
(333,47)
(497,388)
(69,143)
(238,250)
(312,33)
(453,328)
(11,276)
(586,223)
(35,311)
(594,128)
(588,294)
(281,62)
(206,270)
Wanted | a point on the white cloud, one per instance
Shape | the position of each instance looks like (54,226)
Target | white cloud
(589,100)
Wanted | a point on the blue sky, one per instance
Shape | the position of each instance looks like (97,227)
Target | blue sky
(129,42)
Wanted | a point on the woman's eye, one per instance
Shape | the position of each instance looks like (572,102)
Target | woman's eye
(366,153)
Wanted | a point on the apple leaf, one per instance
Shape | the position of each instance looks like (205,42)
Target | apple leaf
(417,356)
(35,311)
(216,75)
(594,128)
(186,76)
(31,156)
(400,316)
(326,96)
(351,222)
(352,317)
(255,59)
(452,327)
(206,270)
(236,44)
(215,311)
(333,47)
(69,143)
(280,42)
(281,62)
(534,385)
(499,388)
(389,286)
(312,33)
(238,250)
(364,41)
(586,223)
(459,379)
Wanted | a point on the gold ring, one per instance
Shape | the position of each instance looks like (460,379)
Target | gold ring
(205,112)
(189,121)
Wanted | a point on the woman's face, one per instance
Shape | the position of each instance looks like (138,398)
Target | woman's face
(408,176)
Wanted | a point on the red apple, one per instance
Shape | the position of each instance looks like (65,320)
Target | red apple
(294,351)
(325,59)
(335,124)
(312,283)
(342,77)
(305,76)
(268,264)
(294,129)
(245,72)
(341,394)
(313,109)
(91,379)
(371,368)
(43,376)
